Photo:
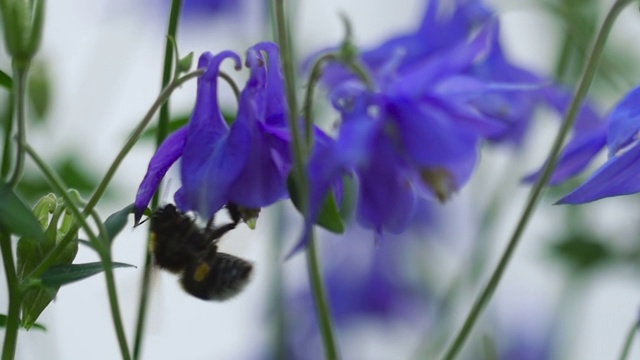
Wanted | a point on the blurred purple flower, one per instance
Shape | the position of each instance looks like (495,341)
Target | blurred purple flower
(246,164)
(620,175)
(523,344)
(365,284)
(419,134)
(440,91)
(203,9)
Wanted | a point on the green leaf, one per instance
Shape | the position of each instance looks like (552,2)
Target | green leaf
(5,80)
(87,243)
(16,217)
(117,221)
(62,275)
(581,252)
(3,323)
(185,63)
(30,254)
(40,89)
(38,326)
(329,217)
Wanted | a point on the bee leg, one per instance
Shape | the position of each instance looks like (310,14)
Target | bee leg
(215,233)
(234,212)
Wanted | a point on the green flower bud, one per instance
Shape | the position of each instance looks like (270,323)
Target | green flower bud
(30,254)
(23,21)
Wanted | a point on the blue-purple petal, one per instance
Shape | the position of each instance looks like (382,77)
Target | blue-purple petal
(207,129)
(620,175)
(386,199)
(624,124)
(575,157)
(167,154)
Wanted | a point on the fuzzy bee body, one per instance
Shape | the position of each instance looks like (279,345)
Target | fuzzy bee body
(176,240)
(179,245)
(219,278)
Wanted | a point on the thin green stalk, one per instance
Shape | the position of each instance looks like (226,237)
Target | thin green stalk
(143,302)
(167,71)
(105,257)
(299,150)
(626,348)
(47,262)
(314,78)
(20,94)
(323,311)
(8,128)
(587,77)
(15,298)
(163,126)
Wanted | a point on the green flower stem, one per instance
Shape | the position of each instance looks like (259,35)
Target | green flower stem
(15,298)
(314,78)
(19,94)
(143,302)
(301,152)
(167,72)
(105,257)
(47,262)
(587,77)
(321,302)
(163,126)
(626,348)
(7,118)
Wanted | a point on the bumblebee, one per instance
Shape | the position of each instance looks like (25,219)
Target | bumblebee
(180,246)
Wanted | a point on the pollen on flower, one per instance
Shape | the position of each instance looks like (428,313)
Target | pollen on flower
(440,181)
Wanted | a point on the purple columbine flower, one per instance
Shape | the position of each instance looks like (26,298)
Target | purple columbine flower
(365,283)
(620,175)
(206,9)
(246,163)
(418,135)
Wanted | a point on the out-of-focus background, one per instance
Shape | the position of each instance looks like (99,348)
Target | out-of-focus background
(104,61)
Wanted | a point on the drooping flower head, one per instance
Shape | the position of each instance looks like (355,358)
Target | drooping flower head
(416,134)
(246,163)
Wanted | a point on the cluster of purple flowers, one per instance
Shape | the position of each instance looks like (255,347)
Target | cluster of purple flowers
(439,93)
